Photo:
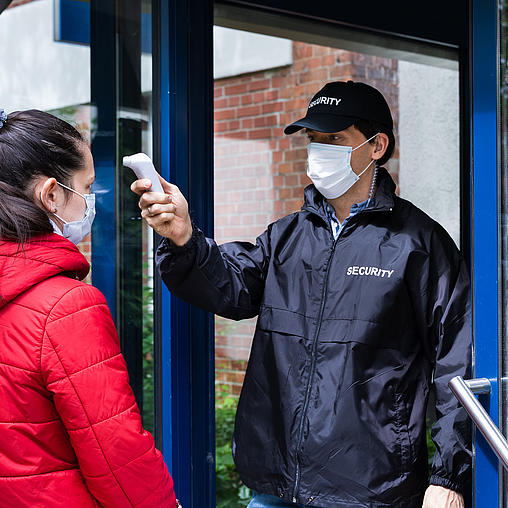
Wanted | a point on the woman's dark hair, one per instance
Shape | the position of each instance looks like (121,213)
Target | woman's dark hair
(33,144)
(369,129)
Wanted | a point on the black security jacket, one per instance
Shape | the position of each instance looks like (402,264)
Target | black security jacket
(351,336)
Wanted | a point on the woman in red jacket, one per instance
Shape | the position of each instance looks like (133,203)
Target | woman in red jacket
(70,429)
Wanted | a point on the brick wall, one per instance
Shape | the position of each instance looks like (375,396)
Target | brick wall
(260,172)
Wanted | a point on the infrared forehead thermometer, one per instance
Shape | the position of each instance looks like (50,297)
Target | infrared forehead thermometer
(143,167)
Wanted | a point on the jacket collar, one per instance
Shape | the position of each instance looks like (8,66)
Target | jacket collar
(40,258)
(382,201)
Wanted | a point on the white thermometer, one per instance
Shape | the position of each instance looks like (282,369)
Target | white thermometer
(143,167)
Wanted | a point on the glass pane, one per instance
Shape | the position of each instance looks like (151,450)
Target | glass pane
(42,72)
(134,237)
(263,83)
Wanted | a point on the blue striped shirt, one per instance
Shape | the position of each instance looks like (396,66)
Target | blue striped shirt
(336,226)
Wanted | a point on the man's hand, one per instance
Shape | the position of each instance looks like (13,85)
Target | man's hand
(439,497)
(167,214)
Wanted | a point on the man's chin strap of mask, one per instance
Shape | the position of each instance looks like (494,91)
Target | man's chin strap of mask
(374,176)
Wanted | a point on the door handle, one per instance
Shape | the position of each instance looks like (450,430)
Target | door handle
(464,391)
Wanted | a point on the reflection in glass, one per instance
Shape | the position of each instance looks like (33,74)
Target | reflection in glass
(48,74)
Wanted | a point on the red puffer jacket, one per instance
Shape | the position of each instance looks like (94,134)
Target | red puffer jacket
(70,429)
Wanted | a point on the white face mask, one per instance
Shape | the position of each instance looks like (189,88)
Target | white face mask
(75,231)
(329,168)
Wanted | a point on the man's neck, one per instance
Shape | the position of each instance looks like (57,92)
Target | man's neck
(358,193)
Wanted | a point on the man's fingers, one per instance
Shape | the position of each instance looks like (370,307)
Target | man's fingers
(157,209)
(141,186)
(159,220)
(151,198)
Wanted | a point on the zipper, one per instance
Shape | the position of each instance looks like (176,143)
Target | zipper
(349,223)
(312,370)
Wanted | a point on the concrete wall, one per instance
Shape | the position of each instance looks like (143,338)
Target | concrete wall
(237,52)
(429,142)
(38,72)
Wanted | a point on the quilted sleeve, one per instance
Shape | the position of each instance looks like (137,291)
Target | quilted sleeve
(85,372)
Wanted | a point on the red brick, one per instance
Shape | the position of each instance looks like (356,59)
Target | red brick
(342,72)
(272,107)
(247,99)
(301,50)
(217,92)
(277,82)
(315,63)
(259,85)
(223,114)
(220,126)
(233,101)
(284,168)
(264,121)
(328,60)
(238,135)
(284,142)
(277,156)
(220,103)
(292,155)
(235,89)
(259,133)
(284,193)
(249,111)
(247,123)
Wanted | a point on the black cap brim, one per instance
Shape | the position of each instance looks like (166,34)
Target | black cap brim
(321,123)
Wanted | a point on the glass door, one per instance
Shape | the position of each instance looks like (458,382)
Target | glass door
(266,69)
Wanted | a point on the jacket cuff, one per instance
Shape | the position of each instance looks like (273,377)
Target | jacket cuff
(166,246)
(446,483)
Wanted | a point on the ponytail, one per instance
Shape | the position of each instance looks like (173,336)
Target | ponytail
(20,218)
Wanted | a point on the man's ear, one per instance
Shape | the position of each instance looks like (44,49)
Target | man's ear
(382,142)
(47,192)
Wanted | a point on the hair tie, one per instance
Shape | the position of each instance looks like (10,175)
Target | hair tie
(3,118)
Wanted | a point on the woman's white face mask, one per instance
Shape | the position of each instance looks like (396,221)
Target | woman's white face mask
(75,231)
(329,168)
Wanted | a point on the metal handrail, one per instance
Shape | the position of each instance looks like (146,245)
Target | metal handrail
(464,391)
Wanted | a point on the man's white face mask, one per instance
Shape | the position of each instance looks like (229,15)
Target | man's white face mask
(329,168)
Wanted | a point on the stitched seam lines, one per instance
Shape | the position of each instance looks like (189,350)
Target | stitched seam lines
(120,467)
(68,376)
(20,368)
(78,311)
(105,420)
(31,423)
(44,330)
(91,426)
(36,475)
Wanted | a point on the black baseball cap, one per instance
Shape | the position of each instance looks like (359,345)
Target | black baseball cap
(337,105)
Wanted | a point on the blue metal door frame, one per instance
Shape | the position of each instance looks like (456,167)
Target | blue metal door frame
(183,148)
(485,233)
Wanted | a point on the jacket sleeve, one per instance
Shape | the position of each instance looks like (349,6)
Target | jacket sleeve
(84,371)
(441,296)
(227,280)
